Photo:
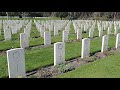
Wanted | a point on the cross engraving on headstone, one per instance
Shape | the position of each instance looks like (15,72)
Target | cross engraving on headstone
(60,46)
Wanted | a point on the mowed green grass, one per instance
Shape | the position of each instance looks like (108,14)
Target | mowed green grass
(39,57)
(108,67)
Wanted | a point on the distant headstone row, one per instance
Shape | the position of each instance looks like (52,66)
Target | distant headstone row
(14,26)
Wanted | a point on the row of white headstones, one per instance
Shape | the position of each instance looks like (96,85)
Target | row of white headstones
(15,26)
(11,27)
(47,34)
(91,25)
(24,37)
(16,58)
(58,25)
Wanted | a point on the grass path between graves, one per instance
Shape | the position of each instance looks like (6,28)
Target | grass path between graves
(108,67)
(39,57)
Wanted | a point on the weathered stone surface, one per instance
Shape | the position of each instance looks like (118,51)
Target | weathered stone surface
(105,39)
(16,63)
(59,53)
(85,47)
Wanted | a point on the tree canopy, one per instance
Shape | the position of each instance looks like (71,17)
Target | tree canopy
(67,15)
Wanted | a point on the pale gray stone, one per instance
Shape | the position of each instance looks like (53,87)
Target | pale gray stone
(55,31)
(14,30)
(85,47)
(108,31)
(115,30)
(42,30)
(16,63)
(24,40)
(79,34)
(100,32)
(7,34)
(47,38)
(27,32)
(65,36)
(117,45)
(59,53)
(105,39)
(91,33)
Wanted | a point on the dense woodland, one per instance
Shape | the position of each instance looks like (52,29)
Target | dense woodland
(67,15)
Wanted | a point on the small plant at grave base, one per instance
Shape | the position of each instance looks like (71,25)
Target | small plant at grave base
(65,67)
(89,59)
(55,71)
(107,53)
(44,73)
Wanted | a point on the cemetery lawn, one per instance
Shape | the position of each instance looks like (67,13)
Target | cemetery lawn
(41,57)
(108,67)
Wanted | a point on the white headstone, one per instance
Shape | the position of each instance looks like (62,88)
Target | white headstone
(24,40)
(91,33)
(81,26)
(79,34)
(65,36)
(85,47)
(55,31)
(108,31)
(116,30)
(7,34)
(42,30)
(50,28)
(67,29)
(26,31)
(76,28)
(16,63)
(117,41)
(59,53)
(105,39)
(14,30)
(85,28)
(47,38)
(100,32)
